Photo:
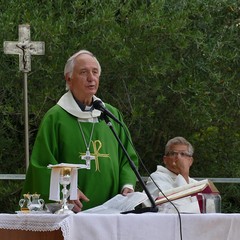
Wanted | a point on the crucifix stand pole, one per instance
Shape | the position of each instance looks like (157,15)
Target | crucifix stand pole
(25,48)
(26,124)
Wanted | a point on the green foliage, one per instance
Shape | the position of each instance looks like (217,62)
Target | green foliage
(10,195)
(171,67)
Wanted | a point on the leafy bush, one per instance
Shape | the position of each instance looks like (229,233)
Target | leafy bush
(172,68)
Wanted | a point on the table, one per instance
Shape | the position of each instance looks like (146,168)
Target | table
(30,235)
(128,227)
(31,226)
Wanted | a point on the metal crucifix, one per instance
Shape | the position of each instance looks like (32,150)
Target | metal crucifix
(25,48)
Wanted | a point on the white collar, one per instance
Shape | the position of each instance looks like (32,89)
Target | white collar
(68,103)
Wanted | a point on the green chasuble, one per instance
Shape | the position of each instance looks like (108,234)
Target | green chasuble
(60,140)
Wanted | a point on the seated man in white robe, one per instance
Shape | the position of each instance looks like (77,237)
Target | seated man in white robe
(178,159)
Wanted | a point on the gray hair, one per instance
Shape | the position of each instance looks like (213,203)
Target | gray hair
(68,69)
(178,141)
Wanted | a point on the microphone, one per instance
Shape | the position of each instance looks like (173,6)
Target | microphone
(98,104)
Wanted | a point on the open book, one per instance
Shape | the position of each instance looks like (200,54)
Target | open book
(204,186)
(119,203)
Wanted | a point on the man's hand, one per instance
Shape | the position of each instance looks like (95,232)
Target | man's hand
(77,203)
(126,190)
(182,166)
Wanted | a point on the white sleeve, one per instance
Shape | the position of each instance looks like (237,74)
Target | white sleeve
(163,181)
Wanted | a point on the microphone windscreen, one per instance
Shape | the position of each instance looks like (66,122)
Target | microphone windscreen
(97,104)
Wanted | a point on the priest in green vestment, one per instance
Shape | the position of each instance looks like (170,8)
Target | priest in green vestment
(72,128)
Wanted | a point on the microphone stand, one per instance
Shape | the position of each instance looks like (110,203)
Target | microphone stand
(153,208)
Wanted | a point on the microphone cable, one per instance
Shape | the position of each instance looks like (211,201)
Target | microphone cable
(129,139)
(143,165)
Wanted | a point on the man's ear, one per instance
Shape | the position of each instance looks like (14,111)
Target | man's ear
(191,161)
(67,78)
(164,159)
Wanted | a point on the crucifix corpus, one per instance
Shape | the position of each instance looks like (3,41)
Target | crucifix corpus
(25,48)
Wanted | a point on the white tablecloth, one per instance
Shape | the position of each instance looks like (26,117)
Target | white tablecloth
(131,226)
(31,222)
(153,226)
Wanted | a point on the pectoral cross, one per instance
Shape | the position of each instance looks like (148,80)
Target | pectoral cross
(25,48)
(97,145)
(88,157)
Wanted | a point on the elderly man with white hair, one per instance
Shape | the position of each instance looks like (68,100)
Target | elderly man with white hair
(73,129)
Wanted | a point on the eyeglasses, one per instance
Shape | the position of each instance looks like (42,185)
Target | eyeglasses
(175,154)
